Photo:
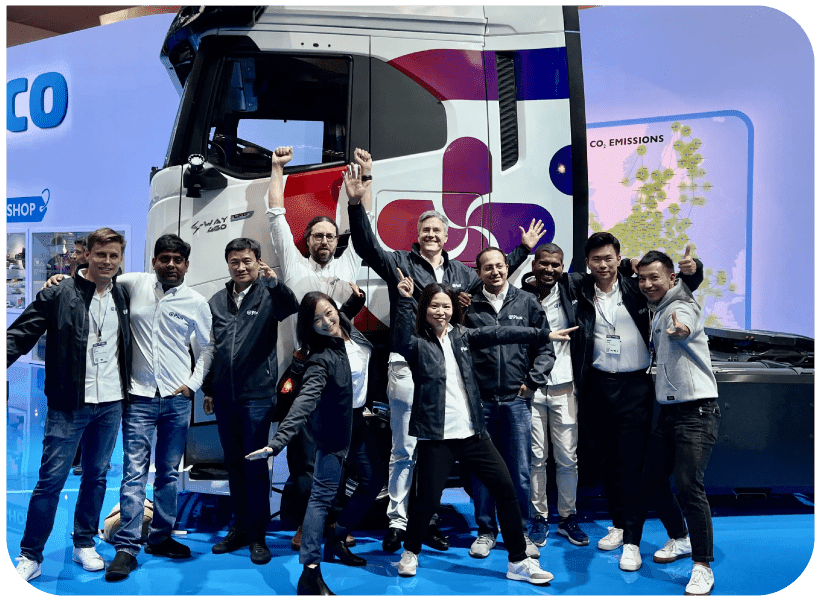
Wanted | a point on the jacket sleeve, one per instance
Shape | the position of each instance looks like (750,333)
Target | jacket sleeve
(313,382)
(26,330)
(367,246)
(693,281)
(405,342)
(488,336)
(351,307)
(284,301)
(516,257)
(542,357)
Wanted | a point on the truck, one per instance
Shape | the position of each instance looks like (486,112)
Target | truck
(475,111)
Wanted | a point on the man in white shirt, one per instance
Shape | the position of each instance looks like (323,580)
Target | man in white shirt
(88,363)
(166,313)
(322,272)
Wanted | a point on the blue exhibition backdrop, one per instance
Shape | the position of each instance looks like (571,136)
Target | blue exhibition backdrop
(91,112)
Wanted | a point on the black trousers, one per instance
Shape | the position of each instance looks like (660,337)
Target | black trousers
(434,461)
(618,411)
(243,428)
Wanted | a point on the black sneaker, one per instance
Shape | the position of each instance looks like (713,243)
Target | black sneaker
(260,554)
(570,529)
(168,548)
(236,539)
(436,539)
(123,564)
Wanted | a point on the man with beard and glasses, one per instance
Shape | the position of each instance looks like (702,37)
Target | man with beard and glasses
(165,313)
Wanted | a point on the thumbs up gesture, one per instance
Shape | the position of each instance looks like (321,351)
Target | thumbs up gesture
(687,265)
(679,330)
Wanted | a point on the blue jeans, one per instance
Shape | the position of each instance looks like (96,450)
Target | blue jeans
(97,426)
(508,424)
(244,427)
(169,417)
(680,445)
(327,475)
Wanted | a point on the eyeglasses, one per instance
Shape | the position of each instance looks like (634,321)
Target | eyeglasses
(320,237)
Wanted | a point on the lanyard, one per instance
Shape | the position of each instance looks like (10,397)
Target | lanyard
(101,322)
(596,302)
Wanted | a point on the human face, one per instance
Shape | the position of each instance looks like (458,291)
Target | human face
(243,267)
(326,320)
(603,262)
(548,268)
(170,267)
(493,271)
(76,255)
(432,236)
(103,261)
(655,281)
(439,312)
(322,242)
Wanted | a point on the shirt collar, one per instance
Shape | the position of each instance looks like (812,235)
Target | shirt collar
(602,294)
(108,287)
(175,289)
(316,266)
(494,297)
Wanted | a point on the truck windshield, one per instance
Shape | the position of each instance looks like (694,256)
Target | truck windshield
(267,100)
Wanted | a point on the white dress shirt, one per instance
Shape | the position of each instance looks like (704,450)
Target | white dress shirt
(457,413)
(358,357)
(562,371)
(102,383)
(616,320)
(496,300)
(162,324)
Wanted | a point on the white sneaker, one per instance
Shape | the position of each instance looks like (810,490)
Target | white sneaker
(528,569)
(88,558)
(481,546)
(701,581)
(613,540)
(28,568)
(673,549)
(532,549)
(408,563)
(630,558)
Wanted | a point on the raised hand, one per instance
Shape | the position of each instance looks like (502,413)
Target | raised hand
(363,159)
(679,331)
(562,334)
(266,271)
(356,290)
(355,188)
(282,155)
(405,284)
(687,265)
(530,238)
(262,453)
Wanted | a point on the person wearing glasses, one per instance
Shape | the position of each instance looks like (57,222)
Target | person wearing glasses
(320,271)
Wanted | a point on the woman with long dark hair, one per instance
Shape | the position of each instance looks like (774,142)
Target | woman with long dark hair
(448,420)
(331,398)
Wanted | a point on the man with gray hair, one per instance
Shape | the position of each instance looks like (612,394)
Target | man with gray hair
(425,263)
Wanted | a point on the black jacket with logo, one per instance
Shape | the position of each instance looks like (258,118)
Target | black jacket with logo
(245,359)
(62,313)
(502,369)
(426,359)
(325,398)
(413,264)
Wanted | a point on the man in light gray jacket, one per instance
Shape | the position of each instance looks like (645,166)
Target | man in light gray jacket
(687,425)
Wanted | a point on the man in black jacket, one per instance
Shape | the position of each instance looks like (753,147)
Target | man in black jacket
(241,387)
(88,363)
(610,362)
(427,262)
(507,376)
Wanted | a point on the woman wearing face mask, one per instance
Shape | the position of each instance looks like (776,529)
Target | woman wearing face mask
(448,421)
(332,399)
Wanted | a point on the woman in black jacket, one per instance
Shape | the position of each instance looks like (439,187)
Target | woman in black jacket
(332,397)
(448,421)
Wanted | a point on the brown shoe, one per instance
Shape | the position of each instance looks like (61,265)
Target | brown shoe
(296,542)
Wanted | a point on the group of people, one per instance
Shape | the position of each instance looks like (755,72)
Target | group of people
(480,371)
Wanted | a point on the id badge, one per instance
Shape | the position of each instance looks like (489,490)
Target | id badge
(98,353)
(613,345)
